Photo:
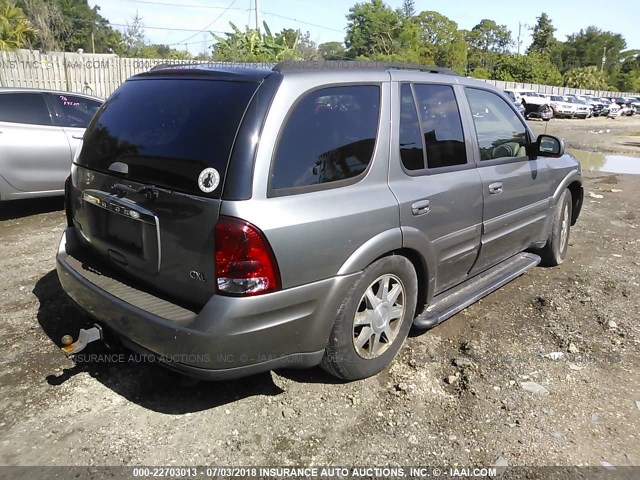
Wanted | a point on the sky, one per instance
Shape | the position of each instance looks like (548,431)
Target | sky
(326,19)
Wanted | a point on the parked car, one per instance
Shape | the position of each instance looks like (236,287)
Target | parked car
(625,106)
(596,104)
(232,221)
(606,106)
(633,103)
(583,109)
(561,107)
(517,102)
(536,106)
(40,131)
(619,110)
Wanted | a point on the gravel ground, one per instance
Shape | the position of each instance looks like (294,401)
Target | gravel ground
(456,395)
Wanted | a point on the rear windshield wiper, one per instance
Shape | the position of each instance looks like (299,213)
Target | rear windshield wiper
(148,191)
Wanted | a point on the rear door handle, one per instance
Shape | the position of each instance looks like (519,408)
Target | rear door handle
(495,188)
(420,207)
(77,137)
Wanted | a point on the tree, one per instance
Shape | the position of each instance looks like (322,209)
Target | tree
(15,29)
(373,30)
(133,39)
(83,27)
(543,39)
(441,39)
(253,46)
(301,42)
(47,19)
(408,8)
(589,78)
(482,73)
(486,41)
(306,47)
(532,68)
(587,47)
(163,51)
(332,51)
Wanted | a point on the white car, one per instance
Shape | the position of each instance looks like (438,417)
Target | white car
(535,105)
(616,110)
(562,108)
(40,131)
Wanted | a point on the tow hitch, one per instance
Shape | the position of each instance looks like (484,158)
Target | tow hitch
(85,337)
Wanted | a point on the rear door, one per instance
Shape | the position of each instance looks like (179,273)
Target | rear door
(434,178)
(149,178)
(73,113)
(34,153)
(514,187)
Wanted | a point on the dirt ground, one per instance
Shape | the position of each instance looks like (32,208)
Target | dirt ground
(454,395)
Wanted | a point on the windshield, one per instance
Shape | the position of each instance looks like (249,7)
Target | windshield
(167,131)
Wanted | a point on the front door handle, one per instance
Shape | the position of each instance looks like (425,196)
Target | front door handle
(495,188)
(420,207)
(78,137)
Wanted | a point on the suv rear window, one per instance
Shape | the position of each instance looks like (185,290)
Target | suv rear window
(168,131)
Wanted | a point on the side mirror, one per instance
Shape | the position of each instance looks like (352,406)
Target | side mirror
(549,146)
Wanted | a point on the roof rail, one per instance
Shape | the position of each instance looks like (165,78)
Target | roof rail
(176,64)
(311,65)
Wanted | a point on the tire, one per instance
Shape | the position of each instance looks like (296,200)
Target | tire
(555,251)
(359,345)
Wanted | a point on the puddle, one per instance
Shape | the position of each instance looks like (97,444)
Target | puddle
(607,163)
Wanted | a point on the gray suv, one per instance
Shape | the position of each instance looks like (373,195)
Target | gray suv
(233,221)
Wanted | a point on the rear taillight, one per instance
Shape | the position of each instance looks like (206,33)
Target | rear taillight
(245,264)
(67,201)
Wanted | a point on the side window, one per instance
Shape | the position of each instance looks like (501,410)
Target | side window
(500,132)
(76,111)
(329,136)
(411,151)
(441,125)
(24,108)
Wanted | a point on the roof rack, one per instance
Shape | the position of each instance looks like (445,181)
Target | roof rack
(312,65)
(177,64)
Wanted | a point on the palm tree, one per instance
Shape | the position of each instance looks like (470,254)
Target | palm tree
(15,29)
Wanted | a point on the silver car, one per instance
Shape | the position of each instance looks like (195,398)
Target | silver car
(232,221)
(40,131)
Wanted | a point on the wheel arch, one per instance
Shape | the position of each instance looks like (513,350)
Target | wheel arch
(390,243)
(572,182)
(577,198)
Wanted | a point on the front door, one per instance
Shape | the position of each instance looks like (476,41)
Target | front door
(73,113)
(514,186)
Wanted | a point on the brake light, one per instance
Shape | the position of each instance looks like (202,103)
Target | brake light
(245,264)
(67,201)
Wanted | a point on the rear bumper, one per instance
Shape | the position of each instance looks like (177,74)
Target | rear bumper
(228,338)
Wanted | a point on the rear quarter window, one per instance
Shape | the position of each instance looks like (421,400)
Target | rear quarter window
(329,137)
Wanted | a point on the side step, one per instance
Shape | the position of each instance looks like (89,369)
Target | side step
(458,298)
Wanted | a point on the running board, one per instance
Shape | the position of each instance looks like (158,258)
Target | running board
(458,298)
